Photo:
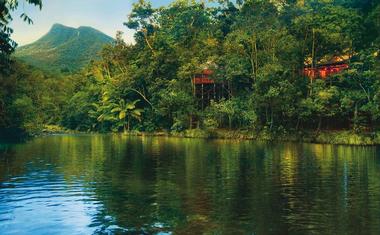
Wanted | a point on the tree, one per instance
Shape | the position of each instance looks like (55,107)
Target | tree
(259,48)
(7,45)
(142,20)
(175,106)
(322,103)
(125,111)
(326,31)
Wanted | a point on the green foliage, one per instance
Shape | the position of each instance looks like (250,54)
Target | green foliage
(24,112)
(29,98)
(7,45)
(235,112)
(258,48)
(125,111)
(175,106)
(76,115)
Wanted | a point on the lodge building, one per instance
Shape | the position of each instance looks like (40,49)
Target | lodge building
(206,88)
(324,70)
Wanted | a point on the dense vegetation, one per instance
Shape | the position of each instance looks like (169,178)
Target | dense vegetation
(30,99)
(64,49)
(259,47)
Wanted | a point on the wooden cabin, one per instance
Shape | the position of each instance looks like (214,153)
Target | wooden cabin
(206,88)
(325,70)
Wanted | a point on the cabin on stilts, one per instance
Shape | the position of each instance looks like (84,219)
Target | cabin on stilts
(206,88)
(326,67)
(325,70)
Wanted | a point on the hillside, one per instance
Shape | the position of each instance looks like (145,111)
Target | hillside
(64,49)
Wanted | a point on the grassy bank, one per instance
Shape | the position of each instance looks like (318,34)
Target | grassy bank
(325,137)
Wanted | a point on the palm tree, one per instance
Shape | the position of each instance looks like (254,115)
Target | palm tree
(126,111)
(102,114)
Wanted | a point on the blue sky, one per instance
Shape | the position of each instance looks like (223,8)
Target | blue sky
(105,15)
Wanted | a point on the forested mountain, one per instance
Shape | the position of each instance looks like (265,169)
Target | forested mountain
(64,49)
(258,49)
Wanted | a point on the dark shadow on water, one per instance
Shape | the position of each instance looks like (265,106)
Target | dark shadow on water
(143,185)
(12,135)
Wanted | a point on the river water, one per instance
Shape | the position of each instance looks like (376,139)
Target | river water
(114,184)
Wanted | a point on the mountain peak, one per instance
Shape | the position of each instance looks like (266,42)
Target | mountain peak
(60,26)
(87,27)
(64,48)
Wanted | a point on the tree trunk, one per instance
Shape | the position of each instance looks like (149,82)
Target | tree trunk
(312,61)
(253,69)
(256,59)
(271,119)
(148,43)
(298,123)
(129,120)
(142,96)
(319,123)
(253,58)
(313,50)
(356,115)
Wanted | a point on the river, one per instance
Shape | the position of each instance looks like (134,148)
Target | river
(115,184)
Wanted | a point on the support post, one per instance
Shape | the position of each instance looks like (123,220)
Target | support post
(202,97)
(214,91)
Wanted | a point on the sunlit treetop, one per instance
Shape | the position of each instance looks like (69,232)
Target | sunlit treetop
(7,45)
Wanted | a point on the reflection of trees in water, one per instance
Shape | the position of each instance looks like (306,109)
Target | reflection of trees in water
(5,158)
(340,188)
(196,186)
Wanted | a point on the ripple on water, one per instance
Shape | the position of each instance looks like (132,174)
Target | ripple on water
(36,203)
(106,185)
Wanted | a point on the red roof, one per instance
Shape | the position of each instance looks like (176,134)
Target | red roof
(203,81)
(324,71)
(204,77)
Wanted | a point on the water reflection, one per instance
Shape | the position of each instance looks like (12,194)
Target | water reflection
(116,184)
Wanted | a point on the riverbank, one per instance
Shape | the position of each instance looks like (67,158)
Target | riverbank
(18,135)
(321,137)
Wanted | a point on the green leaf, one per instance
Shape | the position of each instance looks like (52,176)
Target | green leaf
(130,106)
(138,112)
(115,110)
(122,115)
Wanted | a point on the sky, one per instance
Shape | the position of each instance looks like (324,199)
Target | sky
(105,15)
